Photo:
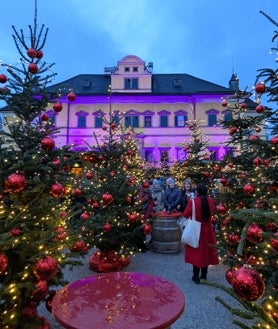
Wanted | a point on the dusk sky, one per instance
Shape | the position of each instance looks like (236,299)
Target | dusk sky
(206,39)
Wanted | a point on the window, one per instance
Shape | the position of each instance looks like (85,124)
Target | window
(132,121)
(228,116)
(98,122)
(164,121)
(135,68)
(212,120)
(127,69)
(180,120)
(148,155)
(148,121)
(164,156)
(81,122)
(131,83)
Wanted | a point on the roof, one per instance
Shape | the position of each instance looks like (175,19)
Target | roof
(94,84)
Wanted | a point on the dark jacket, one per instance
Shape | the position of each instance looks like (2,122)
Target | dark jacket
(172,198)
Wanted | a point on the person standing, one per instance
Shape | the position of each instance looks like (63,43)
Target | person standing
(157,194)
(172,196)
(205,254)
(187,193)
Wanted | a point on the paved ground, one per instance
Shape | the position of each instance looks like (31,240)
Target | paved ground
(202,311)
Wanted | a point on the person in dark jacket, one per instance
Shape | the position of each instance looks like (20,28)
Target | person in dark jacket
(172,196)
(205,254)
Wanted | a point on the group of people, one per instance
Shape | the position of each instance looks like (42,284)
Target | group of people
(173,199)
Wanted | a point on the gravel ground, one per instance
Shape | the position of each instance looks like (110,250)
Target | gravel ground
(202,311)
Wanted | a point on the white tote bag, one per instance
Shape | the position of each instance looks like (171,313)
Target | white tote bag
(191,232)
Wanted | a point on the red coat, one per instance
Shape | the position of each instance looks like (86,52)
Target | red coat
(204,255)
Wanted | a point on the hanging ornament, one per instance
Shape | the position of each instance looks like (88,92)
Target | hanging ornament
(46,268)
(260,88)
(257,162)
(224,103)
(56,190)
(274,140)
(107,227)
(31,52)
(71,96)
(233,239)
(48,143)
(221,209)
(57,107)
(232,130)
(260,108)
(84,216)
(254,233)
(107,198)
(147,228)
(146,184)
(44,117)
(248,188)
(16,231)
(248,284)
(89,175)
(41,291)
(132,218)
(243,106)
(3,78)
(229,275)
(33,68)
(78,192)
(39,54)
(3,263)
(15,183)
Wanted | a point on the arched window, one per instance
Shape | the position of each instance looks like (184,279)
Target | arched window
(82,119)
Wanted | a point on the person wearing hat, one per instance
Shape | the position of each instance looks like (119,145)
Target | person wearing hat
(172,196)
(157,193)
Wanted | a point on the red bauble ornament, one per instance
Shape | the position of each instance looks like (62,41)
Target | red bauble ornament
(57,107)
(253,137)
(107,198)
(16,232)
(254,233)
(46,268)
(113,126)
(78,192)
(271,226)
(243,106)
(39,54)
(89,175)
(56,190)
(96,205)
(71,96)
(274,242)
(257,162)
(41,291)
(224,103)
(248,188)
(248,284)
(3,78)
(260,88)
(233,238)
(132,218)
(221,209)
(232,130)
(146,184)
(33,68)
(15,183)
(31,52)
(260,108)
(80,246)
(258,129)
(4,262)
(44,117)
(274,140)
(229,275)
(107,227)
(48,143)
(84,216)
(147,228)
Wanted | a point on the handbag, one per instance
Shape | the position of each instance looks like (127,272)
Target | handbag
(191,232)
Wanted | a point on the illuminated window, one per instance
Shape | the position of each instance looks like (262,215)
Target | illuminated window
(180,120)
(148,121)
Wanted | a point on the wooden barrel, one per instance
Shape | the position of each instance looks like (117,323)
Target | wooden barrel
(166,234)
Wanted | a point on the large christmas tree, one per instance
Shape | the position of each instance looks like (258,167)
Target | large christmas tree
(34,206)
(247,211)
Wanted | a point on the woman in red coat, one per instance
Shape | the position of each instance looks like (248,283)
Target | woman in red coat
(205,254)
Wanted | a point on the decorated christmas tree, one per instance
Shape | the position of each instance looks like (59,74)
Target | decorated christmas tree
(247,211)
(35,239)
(111,213)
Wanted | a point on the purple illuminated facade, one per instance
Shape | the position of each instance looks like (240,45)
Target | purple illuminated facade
(157,107)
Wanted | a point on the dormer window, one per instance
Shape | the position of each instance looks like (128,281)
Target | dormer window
(135,68)
(131,83)
(127,69)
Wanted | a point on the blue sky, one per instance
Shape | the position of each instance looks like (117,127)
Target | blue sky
(207,39)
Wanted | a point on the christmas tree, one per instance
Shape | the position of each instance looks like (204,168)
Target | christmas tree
(111,213)
(247,213)
(35,239)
